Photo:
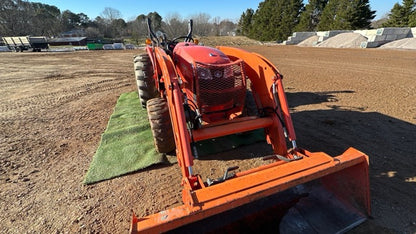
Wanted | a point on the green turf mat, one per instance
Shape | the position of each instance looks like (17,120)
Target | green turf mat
(127,143)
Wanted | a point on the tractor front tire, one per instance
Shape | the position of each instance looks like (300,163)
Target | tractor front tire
(143,71)
(160,123)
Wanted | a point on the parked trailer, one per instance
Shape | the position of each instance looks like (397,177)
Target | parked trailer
(17,43)
(25,43)
(38,43)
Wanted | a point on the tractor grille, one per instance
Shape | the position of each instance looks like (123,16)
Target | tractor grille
(220,87)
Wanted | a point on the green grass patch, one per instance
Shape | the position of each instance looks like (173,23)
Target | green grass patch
(127,143)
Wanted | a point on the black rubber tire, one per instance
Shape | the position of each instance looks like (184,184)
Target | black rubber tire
(250,107)
(143,71)
(159,118)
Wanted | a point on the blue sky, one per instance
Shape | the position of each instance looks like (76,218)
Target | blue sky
(225,9)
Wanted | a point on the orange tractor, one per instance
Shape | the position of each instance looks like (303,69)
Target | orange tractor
(194,93)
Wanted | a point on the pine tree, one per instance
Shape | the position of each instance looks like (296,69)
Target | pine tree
(360,14)
(346,15)
(275,19)
(290,18)
(245,22)
(264,21)
(408,9)
(396,17)
(412,19)
(402,15)
(311,16)
(328,16)
(342,16)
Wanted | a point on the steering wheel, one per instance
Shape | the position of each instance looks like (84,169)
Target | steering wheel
(172,43)
(187,39)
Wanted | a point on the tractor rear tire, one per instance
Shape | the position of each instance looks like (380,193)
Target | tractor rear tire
(160,123)
(143,71)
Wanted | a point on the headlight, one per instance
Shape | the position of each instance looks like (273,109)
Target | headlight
(204,73)
(217,74)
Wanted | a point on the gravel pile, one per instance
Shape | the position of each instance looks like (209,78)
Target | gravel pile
(406,44)
(311,41)
(344,40)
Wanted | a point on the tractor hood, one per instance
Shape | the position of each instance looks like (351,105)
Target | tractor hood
(189,52)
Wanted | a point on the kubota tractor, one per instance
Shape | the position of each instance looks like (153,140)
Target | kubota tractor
(193,93)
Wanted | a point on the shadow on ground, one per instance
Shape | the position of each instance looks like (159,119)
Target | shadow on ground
(308,98)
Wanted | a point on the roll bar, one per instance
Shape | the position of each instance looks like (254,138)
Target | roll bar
(155,39)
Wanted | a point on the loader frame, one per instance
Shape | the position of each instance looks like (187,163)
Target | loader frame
(289,168)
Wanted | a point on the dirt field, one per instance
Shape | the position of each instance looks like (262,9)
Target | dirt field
(55,106)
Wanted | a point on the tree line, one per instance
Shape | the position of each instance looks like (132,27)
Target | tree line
(277,19)
(402,15)
(20,17)
(272,20)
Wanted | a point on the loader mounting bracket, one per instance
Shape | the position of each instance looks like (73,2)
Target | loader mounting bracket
(227,175)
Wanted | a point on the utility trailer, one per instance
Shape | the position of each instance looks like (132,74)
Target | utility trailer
(19,44)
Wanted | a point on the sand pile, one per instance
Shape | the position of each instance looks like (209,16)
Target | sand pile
(311,41)
(344,40)
(406,44)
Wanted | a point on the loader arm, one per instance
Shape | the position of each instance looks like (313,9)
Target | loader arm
(266,79)
(175,101)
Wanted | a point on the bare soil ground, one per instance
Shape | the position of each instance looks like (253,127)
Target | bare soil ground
(55,106)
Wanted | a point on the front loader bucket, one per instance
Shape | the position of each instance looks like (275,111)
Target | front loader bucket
(317,194)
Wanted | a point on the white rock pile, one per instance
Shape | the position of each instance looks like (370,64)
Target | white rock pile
(404,44)
(323,35)
(387,38)
(311,41)
(344,40)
